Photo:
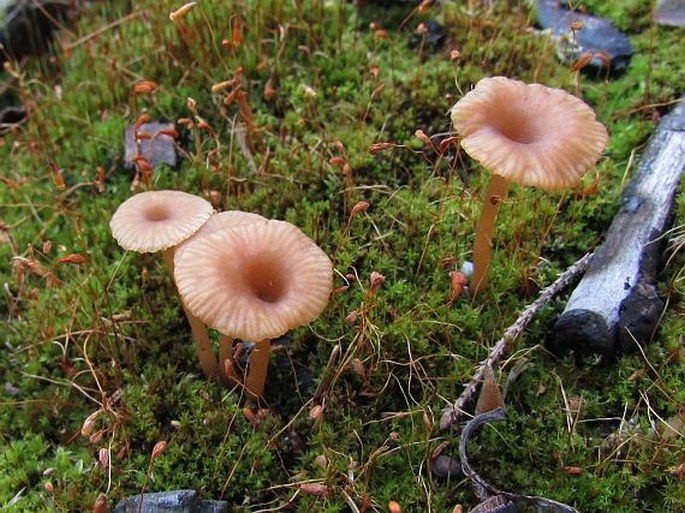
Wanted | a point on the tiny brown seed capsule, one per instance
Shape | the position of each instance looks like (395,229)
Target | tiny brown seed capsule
(251,417)
(583,61)
(96,437)
(142,119)
(380,34)
(359,207)
(358,368)
(421,135)
(379,146)
(74,258)
(339,290)
(316,412)
(103,457)
(394,507)
(179,13)
(377,279)
(317,489)
(144,87)
(89,423)
(158,450)
(220,86)
(100,505)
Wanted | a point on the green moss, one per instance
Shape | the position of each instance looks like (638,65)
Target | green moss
(109,333)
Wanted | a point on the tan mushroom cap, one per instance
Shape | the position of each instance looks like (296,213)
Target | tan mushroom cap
(157,220)
(255,282)
(228,219)
(529,133)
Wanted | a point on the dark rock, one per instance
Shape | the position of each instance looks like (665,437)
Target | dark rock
(433,37)
(11,390)
(670,12)
(598,36)
(444,467)
(26,26)
(179,501)
(158,149)
(11,117)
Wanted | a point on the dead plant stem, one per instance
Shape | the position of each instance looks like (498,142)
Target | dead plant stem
(451,415)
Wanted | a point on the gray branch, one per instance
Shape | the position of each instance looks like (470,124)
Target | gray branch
(616,304)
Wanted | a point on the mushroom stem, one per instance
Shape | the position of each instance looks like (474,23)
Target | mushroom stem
(208,362)
(226,368)
(482,250)
(256,372)
(168,256)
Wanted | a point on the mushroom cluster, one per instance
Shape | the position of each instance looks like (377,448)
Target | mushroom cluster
(246,276)
(528,134)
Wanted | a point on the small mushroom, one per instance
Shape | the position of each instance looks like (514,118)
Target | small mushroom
(159,221)
(529,134)
(255,283)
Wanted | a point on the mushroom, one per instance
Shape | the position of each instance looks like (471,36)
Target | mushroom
(158,221)
(529,134)
(220,221)
(255,283)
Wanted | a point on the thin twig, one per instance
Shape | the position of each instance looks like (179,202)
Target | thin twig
(102,30)
(325,382)
(451,415)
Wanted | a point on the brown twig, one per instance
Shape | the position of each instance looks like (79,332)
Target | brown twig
(451,415)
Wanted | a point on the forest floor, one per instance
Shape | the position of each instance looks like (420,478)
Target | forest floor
(95,341)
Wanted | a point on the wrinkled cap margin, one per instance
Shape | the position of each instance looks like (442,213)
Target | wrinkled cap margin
(157,220)
(254,282)
(228,219)
(530,134)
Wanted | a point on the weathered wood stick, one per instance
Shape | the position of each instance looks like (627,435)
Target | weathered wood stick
(450,415)
(616,304)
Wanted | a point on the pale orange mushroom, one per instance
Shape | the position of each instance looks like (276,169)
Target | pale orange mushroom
(255,283)
(159,221)
(529,134)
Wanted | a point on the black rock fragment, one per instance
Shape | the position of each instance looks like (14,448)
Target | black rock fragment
(178,501)
(610,48)
(670,12)
(26,26)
